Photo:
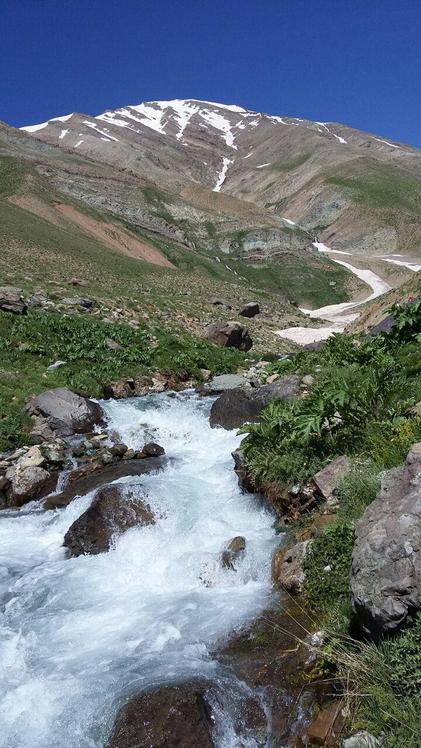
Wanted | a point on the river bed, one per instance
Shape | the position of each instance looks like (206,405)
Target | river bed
(81,635)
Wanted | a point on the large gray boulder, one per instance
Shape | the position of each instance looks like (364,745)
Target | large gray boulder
(11,300)
(63,412)
(386,560)
(113,511)
(242,405)
(169,717)
(229,335)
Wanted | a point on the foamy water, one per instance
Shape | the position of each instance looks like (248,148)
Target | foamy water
(81,635)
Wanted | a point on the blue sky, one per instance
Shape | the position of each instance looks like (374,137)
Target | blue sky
(351,61)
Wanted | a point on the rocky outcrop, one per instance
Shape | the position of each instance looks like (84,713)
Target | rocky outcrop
(241,405)
(250,309)
(62,412)
(113,511)
(11,300)
(288,567)
(229,335)
(169,717)
(386,560)
(233,552)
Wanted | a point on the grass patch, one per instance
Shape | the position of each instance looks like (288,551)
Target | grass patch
(290,164)
(28,345)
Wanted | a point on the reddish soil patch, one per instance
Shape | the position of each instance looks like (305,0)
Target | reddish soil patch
(106,233)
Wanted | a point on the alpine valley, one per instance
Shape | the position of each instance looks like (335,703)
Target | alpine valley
(210,432)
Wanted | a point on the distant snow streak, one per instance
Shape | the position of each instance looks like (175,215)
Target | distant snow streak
(222,174)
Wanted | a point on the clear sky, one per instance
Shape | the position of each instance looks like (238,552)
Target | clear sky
(351,61)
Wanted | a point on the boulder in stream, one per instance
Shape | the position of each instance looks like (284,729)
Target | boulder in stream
(151,449)
(63,412)
(168,717)
(233,552)
(112,512)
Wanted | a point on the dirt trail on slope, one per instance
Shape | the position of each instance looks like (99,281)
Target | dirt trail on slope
(106,233)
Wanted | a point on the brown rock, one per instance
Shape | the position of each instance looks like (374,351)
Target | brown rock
(119,449)
(233,551)
(229,335)
(250,309)
(112,512)
(170,717)
(330,477)
(153,450)
(327,726)
(288,567)
(93,475)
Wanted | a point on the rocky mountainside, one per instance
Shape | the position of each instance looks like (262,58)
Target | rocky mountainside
(214,201)
(358,191)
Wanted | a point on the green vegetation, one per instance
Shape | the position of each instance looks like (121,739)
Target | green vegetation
(28,345)
(385,683)
(327,567)
(382,188)
(360,405)
(292,163)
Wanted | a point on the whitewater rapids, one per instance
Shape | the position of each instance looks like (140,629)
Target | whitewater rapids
(79,636)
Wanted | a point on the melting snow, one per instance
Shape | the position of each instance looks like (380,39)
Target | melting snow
(410,265)
(220,123)
(105,133)
(387,143)
(63,134)
(222,174)
(322,248)
(248,156)
(339,315)
(262,165)
(288,220)
(79,142)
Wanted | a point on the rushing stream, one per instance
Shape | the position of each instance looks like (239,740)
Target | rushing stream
(80,635)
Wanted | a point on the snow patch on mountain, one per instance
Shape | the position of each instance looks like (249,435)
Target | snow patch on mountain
(222,174)
(34,128)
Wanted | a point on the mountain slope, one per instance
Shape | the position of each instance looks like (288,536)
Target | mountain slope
(173,203)
(324,176)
